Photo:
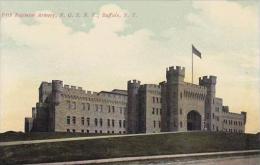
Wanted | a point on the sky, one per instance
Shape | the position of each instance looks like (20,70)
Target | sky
(98,52)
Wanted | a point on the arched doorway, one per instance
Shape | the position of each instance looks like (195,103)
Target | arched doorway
(193,121)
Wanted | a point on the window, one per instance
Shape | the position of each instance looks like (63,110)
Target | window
(108,132)
(113,109)
(87,131)
(73,130)
(153,99)
(153,110)
(159,123)
(96,107)
(68,130)
(113,132)
(101,108)
(124,123)
(154,123)
(100,131)
(68,119)
(180,111)
(181,124)
(82,121)
(88,106)
(108,122)
(157,111)
(121,110)
(83,106)
(109,110)
(181,95)
(101,122)
(157,99)
(82,131)
(160,111)
(213,116)
(120,123)
(95,131)
(74,105)
(68,104)
(119,132)
(88,121)
(74,120)
(113,123)
(96,121)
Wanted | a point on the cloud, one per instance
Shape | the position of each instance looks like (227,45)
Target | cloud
(49,50)
(104,58)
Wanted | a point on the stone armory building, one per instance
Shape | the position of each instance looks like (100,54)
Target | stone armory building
(172,105)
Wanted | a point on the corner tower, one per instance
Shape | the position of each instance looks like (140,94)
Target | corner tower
(57,89)
(132,106)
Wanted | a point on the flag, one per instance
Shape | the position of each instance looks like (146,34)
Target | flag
(196,52)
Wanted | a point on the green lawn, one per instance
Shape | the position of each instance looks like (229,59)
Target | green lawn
(158,144)
(20,136)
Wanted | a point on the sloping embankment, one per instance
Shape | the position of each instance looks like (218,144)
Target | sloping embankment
(157,144)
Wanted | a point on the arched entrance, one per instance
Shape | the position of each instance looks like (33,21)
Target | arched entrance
(193,121)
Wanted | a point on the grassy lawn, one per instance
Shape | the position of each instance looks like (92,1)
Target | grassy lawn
(158,144)
(20,136)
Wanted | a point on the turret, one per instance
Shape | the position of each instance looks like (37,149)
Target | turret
(45,91)
(164,113)
(57,88)
(175,79)
(209,83)
(132,105)
(175,75)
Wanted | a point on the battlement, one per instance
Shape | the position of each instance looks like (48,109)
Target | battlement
(153,86)
(225,109)
(72,87)
(178,70)
(45,83)
(194,86)
(207,80)
(175,74)
(134,82)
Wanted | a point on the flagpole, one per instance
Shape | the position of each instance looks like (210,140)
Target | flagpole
(192,67)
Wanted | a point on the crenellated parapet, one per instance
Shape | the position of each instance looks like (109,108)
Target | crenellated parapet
(134,82)
(73,88)
(175,74)
(176,70)
(208,80)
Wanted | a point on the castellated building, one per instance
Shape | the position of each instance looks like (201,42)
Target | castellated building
(172,105)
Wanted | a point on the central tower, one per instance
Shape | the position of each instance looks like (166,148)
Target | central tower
(171,92)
